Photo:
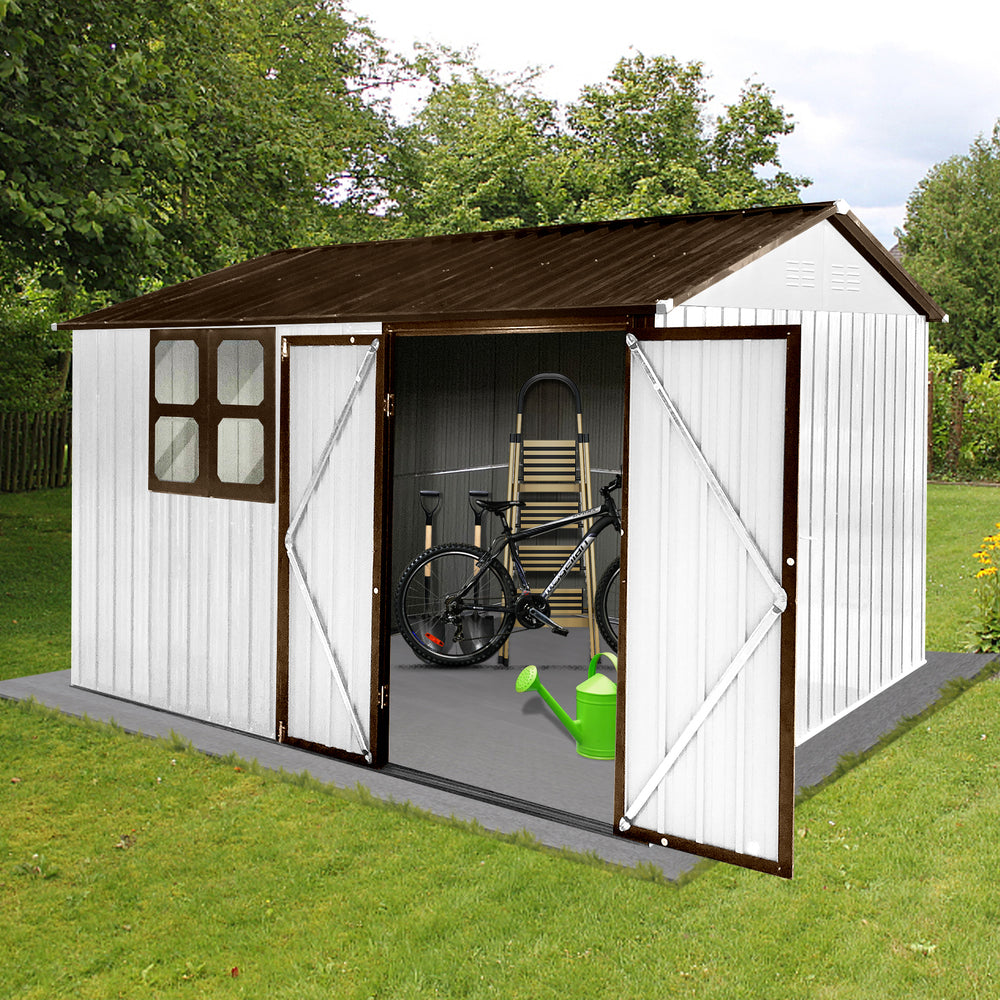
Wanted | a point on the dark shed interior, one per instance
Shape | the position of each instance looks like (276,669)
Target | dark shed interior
(456,401)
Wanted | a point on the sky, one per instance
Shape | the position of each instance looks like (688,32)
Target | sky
(880,91)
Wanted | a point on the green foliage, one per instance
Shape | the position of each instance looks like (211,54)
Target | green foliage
(481,153)
(941,367)
(486,152)
(644,144)
(176,137)
(147,143)
(981,423)
(951,244)
(979,389)
(35,358)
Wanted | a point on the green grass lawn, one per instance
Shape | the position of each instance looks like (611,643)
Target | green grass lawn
(958,518)
(138,868)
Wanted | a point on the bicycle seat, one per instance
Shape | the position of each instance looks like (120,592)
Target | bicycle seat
(495,506)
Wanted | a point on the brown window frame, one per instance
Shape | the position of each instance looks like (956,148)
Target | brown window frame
(207,412)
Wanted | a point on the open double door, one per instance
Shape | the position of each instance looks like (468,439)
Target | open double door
(705,758)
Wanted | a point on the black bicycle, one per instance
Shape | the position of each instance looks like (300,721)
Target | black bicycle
(456,604)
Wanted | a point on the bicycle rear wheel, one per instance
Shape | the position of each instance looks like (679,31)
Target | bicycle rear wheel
(606,600)
(450,610)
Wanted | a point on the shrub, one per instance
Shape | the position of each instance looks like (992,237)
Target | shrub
(978,455)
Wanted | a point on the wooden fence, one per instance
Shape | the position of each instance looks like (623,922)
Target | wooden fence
(35,450)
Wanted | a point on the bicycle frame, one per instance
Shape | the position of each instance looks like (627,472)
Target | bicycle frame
(606,518)
(604,521)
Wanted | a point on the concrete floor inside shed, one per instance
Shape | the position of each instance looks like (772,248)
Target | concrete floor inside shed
(469,725)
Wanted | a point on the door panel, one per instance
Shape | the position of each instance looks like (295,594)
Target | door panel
(708,671)
(331,406)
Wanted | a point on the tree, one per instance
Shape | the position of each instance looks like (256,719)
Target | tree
(480,154)
(639,140)
(485,153)
(951,244)
(144,143)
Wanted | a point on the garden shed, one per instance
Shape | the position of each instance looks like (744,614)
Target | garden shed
(248,446)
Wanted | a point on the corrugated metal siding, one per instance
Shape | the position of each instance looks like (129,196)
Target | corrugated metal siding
(627,264)
(335,543)
(862,502)
(173,597)
(686,564)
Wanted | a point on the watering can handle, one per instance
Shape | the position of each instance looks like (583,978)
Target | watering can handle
(593,663)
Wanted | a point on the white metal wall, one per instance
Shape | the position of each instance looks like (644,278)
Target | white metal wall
(334,542)
(686,560)
(862,501)
(173,596)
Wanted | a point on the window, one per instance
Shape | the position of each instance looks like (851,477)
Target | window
(211,413)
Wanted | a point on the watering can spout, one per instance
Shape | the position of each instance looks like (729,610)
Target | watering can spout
(594,731)
(527,680)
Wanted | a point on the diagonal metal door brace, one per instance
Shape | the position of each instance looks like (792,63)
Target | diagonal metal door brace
(778,596)
(298,570)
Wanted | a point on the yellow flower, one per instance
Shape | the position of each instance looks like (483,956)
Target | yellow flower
(987,571)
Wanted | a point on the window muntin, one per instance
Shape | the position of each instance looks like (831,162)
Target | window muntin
(212,413)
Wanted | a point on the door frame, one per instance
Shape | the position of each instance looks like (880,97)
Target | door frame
(379,692)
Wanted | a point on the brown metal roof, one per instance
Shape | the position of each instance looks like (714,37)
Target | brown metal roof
(621,266)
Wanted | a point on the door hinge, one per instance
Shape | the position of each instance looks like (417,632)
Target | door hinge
(284,347)
(390,404)
(383,696)
(281,732)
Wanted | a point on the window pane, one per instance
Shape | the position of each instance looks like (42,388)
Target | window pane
(176,376)
(176,445)
(241,373)
(241,451)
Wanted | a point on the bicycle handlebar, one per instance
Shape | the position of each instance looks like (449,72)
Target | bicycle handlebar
(615,484)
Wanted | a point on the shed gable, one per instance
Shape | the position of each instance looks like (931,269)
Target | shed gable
(816,270)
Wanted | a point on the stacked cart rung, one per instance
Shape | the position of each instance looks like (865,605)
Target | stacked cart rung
(565,608)
(547,559)
(536,514)
(549,467)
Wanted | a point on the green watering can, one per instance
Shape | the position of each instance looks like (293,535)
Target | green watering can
(594,731)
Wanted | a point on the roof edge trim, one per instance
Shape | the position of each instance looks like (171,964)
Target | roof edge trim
(865,242)
(389,318)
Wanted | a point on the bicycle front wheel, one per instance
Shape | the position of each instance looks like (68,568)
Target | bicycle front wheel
(606,604)
(450,610)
